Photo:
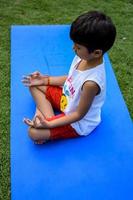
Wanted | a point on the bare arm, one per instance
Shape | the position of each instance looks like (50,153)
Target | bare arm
(37,79)
(90,89)
(57,80)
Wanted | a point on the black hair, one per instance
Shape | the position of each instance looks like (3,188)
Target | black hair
(93,30)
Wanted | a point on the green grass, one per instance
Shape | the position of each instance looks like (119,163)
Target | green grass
(59,12)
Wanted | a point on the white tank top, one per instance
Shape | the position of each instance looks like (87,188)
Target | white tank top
(72,90)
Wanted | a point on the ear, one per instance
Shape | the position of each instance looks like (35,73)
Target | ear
(98,53)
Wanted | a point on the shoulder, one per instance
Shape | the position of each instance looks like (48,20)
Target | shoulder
(91,87)
(96,79)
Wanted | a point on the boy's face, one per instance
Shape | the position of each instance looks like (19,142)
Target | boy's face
(83,52)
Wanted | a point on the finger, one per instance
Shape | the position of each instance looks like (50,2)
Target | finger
(26,77)
(34,74)
(43,122)
(26,84)
(38,117)
(25,81)
(38,123)
(28,122)
(37,72)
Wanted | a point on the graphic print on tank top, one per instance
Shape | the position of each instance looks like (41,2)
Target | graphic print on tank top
(68,92)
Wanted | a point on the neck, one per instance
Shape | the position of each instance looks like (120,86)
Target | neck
(94,62)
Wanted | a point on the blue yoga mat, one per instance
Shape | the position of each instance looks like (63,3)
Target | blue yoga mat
(99,166)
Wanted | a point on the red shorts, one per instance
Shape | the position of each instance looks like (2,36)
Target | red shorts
(53,94)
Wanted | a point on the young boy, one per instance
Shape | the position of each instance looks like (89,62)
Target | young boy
(80,95)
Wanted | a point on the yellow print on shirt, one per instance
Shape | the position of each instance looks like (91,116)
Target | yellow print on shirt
(63,102)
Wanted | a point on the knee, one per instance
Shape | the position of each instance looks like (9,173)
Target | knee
(40,88)
(32,133)
(32,88)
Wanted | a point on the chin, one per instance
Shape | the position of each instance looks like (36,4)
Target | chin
(79,56)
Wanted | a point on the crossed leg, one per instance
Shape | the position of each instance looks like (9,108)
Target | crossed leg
(44,109)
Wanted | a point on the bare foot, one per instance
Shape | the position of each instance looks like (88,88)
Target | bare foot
(41,142)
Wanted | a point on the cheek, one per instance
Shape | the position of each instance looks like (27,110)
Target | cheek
(84,52)
(84,55)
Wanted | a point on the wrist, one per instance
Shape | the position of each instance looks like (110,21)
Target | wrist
(51,122)
(46,80)
(48,124)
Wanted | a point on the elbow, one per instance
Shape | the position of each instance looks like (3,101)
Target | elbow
(78,116)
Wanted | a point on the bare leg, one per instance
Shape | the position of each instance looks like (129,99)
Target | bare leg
(37,112)
(44,109)
(42,103)
(39,136)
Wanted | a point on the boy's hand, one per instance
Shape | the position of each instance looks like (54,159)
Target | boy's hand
(38,122)
(35,74)
(35,79)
